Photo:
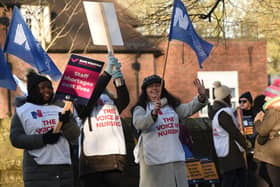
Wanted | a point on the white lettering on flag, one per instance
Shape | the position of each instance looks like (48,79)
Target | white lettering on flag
(20,37)
(182,19)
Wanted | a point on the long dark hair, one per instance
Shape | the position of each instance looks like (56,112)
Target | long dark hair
(143,99)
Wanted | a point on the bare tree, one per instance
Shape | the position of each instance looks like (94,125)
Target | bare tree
(219,20)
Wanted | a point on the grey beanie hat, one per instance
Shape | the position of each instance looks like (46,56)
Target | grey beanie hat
(220,91)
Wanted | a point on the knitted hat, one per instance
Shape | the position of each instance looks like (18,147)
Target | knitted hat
(220,91)
(150,80)
(273,90)
(248,96)
(33,79)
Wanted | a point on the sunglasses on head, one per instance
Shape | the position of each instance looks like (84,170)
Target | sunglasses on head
(242,101)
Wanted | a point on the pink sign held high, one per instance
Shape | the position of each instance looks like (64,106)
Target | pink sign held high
(79,79)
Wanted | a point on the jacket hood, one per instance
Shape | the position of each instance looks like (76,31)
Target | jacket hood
(213,109)
(19,100)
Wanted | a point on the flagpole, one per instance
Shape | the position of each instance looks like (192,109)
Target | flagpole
(167,49)
(164,66)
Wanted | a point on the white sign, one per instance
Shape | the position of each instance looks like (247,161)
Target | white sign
(99,19)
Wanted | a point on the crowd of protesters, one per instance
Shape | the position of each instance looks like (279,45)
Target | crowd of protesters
(246,140)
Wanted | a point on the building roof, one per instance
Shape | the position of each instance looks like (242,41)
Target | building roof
(75,36)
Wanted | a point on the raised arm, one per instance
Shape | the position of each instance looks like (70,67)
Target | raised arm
(122,99)
(188,109)
(101,84)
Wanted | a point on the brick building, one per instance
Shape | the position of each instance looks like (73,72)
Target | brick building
(239,64)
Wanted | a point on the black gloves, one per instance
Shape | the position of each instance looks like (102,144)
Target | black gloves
(50,137)
(64,117)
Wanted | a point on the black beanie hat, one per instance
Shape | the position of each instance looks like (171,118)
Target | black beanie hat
(150,80)
(33,79)
(248,96)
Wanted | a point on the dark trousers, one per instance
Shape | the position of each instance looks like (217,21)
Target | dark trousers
(102,179)
(234,178)
(252,171)
(274,174)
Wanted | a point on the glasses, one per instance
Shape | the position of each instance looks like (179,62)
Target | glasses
(242,101)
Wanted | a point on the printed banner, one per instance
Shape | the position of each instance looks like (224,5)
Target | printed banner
(248,125)
(201,171)
(79,79)
(194,170)
(209,170)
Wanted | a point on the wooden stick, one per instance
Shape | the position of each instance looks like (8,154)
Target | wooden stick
(108,36)
(107,32)
(240,123)
(67,106)
(239,119)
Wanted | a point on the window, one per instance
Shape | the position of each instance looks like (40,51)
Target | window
(38,19)
(228,78)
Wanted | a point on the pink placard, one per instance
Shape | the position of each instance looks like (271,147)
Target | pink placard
(79,79)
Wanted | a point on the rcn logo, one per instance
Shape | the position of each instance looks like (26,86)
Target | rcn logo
(37,114)
(181,18)
(75,60)
(20,37)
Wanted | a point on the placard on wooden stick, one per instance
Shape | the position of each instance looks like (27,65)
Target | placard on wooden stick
(103,23)
(78,82)
(79,79)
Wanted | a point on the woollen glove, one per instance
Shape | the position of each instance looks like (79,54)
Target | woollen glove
(64,117)
(50,137)
(111,63)
(117,74)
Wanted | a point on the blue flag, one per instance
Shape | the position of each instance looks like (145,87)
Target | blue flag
(21,43)
(6,77)
(181,28)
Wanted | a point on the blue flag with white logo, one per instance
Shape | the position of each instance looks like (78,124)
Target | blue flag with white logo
(21,43)
(6,77)
(181,28)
